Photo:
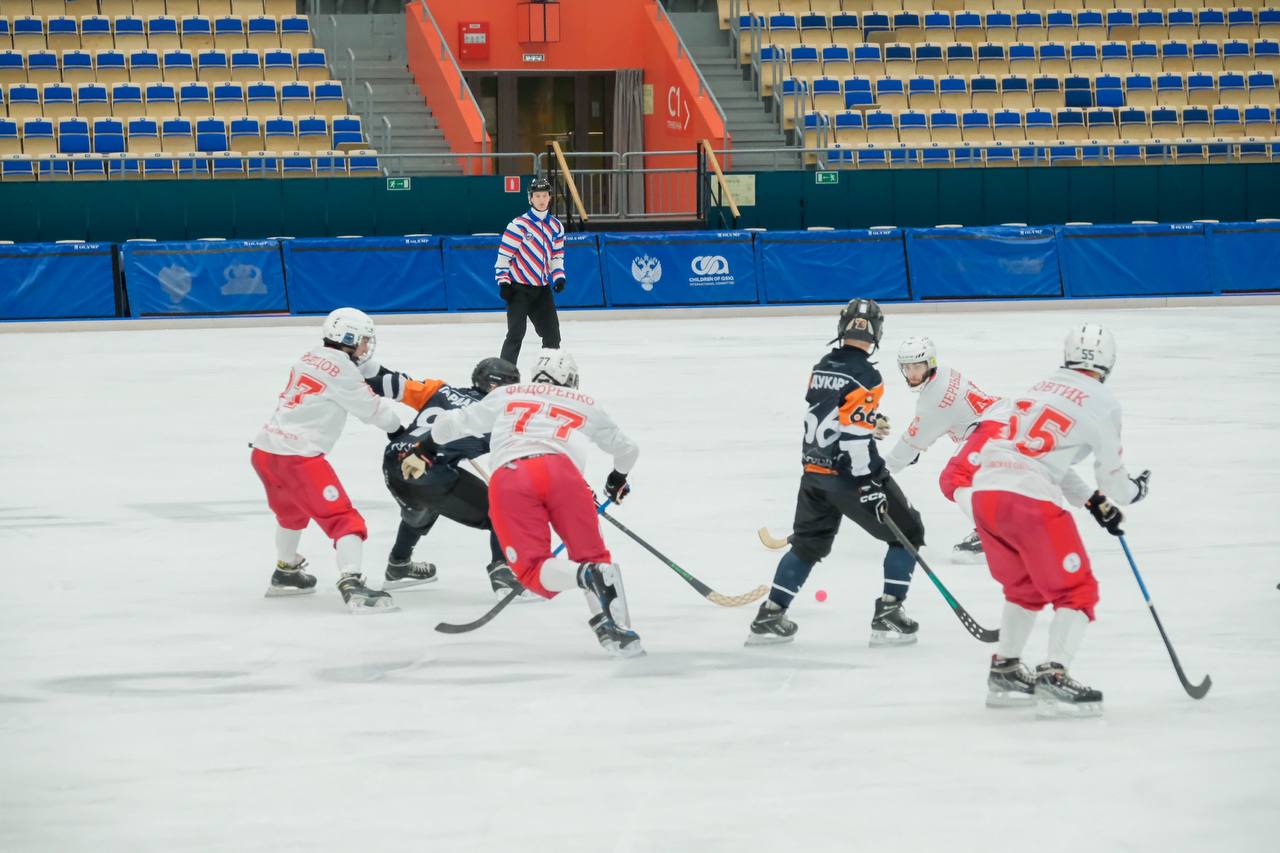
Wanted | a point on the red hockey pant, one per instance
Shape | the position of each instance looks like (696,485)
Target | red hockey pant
(527,495)
(959,470)
(302,488)
(1034,550)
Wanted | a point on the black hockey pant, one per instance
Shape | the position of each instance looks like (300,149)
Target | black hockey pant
(466,501)
(819,510)
(530,303)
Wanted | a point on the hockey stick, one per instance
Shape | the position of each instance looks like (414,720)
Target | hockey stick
(600,508)
(705,591)
(452,628)
(1195,691)
(970,624)
(773,543)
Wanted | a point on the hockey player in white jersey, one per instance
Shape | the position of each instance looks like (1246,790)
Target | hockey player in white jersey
(538,445)
(949,404)
(1032,545)
(325,384)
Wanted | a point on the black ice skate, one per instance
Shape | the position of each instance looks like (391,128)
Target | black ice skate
(969,550)
(771,626)
(890,624)
(408,573)
(1009,684)
(1059,695)
(291,580)
(597,580)
(622,642)
(361,599)
(503,580)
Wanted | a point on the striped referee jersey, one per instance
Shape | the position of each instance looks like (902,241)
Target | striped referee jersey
(532,251)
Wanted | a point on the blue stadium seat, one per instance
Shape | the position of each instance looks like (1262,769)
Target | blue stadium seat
(1196,122)
(1115,57)
(837,61)
(213,65)
(944,126)
(262,99)
(297,166)
(1015,89)
(936,155)
(295,98)
(162,99)
(330,165)
(192,167)
(975,126)
(891,93)
(92,100)
(1165,123)
(827,94)
(195,99)
(1181,24)
(144,133)
(1071,124)
(1206,56)
(1144,56)
(127,167)
(1259,121)
(37,136)
(806,61)
(280,133)
(954,91)
(158,165)
(211,134)
(177,134)
(999,27)
(130,32)
(246,65)
(126,100)
(1053,58)
(1039,124)
(108,135)
(144,66)
(857,92)
(873,22)
(1123,154)
(1119,18)
(197,32)
(1171,89)
(55,168)
(1077,91)
(880,127)
(930,60)
(73,136)
(179,65)
(993,58)
(1084,58)
(1023,58)
(1201,88)
(1046,90)
(59,100)
(1228,121)
(246,134)
(10,143)
(263,166)
(1139,90)
(162,31)
(1007,125)
(1266,55)
(278,65)
(849,128)
(1101,124)
(42,67)
(1108,91)
(77,66)
(229,33)
(1064,152)
(968,26)
(922,93)
(1262,88)
(1134,123)
(871,158)
(348,133)
(1000,154)
(815,28)
(227,165)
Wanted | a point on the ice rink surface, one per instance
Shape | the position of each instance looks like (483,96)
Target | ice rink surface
(153,700)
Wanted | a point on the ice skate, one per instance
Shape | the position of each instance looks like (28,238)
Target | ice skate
(890,624)
(1057,694)
(771,626)
(1009,684)
(622,642)
(409,573)
(969,550)
(503,580)
(600,582)
(291,580)
(361,599)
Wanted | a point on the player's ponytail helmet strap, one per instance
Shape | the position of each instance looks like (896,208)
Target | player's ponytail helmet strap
(1090,347)
(346,327)
(861,320)
(556,367)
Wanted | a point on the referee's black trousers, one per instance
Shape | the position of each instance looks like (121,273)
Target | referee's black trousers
(530,303)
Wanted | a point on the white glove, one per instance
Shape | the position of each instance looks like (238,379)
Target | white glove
(413,466)
(882,426)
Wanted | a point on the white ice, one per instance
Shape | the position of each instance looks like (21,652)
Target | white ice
(152,700)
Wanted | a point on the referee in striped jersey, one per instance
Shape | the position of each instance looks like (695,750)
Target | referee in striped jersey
(530,267)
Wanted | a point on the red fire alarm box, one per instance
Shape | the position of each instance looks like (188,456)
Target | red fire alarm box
(473,39)
(538,21)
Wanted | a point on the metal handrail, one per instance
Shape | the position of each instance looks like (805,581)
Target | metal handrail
(351,70)
(386,133)
(398,158)
(368,98)
(463,88)
(703,85)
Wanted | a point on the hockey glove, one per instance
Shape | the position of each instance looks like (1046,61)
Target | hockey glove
(397,434)
(1141,482)
(558,287)
(414,466)
(506,291)
(1106,513)
(616,487)
(882,426)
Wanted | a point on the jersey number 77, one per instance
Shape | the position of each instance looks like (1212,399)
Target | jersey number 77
(569,420)
(1036,430)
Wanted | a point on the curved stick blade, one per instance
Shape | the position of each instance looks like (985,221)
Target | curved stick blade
(738,600)
(770,541)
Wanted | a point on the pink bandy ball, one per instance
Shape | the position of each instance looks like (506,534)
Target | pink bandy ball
(821,595)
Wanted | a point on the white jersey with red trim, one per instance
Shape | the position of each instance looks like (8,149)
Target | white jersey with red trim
(1060,421)
(526,420)
(324,385)
(949,404)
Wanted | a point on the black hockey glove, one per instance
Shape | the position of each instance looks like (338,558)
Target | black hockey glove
(506,291)
(397,434)
(616,487)
(558,287)
(1141,482)
(1106,513)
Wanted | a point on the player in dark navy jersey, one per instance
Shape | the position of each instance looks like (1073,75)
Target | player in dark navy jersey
(845,477)
(443,489)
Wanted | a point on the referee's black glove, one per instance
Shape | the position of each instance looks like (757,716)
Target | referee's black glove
(558,287)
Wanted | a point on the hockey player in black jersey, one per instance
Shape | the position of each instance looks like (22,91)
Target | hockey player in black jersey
(844,477)
(443,488)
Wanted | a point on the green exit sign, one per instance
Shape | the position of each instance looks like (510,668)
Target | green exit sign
(401,183)
(826,177)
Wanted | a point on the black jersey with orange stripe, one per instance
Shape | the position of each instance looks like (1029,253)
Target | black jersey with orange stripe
(843,397)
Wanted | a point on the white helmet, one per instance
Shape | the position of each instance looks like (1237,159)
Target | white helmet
(1090,347)
(917,350)
(346,327)
(557,367)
